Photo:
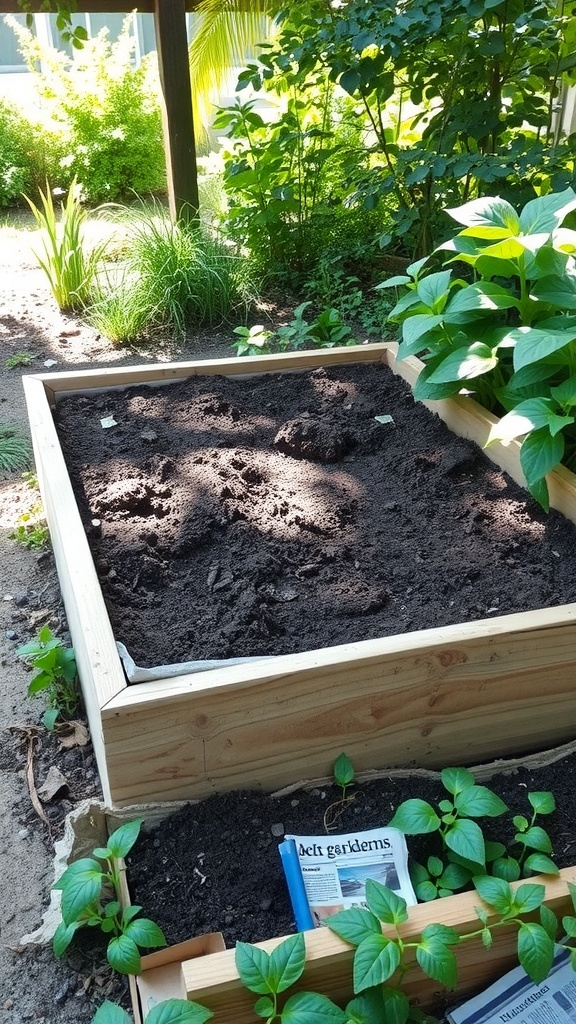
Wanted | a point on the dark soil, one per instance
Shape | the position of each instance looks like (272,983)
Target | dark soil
(215,865)
(276,514)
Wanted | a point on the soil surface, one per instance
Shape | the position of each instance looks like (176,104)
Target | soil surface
(215,866)
(279,514)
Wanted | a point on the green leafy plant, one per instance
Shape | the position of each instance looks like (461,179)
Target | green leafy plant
(31,530)
(507,336)
(271,974)
(344,776)
(90,890)
(462,840)
(169,1011)
(15,450)
(55,675)
(19,359)
(252,341)
(100,115)
(70,269)
(382,958)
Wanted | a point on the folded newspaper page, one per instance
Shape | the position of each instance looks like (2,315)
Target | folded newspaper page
(326,874)
(517,999)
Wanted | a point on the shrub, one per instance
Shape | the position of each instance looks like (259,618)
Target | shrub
(102,115)
(15,147)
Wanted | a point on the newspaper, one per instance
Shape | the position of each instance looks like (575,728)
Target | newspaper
(326,874)
(517,1000)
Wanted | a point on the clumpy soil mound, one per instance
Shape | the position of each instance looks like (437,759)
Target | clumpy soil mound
(279,514)
(215,866)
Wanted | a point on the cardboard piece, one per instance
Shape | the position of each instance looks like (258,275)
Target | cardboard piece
(161,976)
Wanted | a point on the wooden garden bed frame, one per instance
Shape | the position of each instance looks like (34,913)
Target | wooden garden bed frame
(456,694)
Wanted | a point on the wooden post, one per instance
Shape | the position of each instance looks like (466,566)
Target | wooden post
(179,143)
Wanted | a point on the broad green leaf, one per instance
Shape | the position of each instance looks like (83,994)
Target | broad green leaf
(494,850)
(425,391)
(454,877)
(311,1008)
(396,1006)
(564,241)
(375,961)
(145,933)
(507,249)
(527,416)
(123,955)
(430,340)
(367,1007)
(465,364)
(384,903)
(81,885)
(543,802)
(405,303)
(466,839)
(252,965)
(435,866)
(111,1013)
(572,891)
(415,817)
(178,1011)
(507,868)
(122,840)
(549,921)
(539,454)
(494,217)
(418,325)
(547,212)
(426,891)
(536,838)
(558,291)
(535,951)
(479,802)
(264,1007)
(565,395)
(528,897)
(456,780)
(287,962)
(569,926)
(442,932)
(343,771)
(482,297)
(541,864)
(531,344)
(495,892)
(393,282)
(354,924)
(539,491)
(63,936)
(49,718)
(437,961)
(433,289)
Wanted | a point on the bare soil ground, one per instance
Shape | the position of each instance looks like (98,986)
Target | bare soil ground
(33,985)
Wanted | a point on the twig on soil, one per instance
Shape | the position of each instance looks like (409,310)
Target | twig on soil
(31,736)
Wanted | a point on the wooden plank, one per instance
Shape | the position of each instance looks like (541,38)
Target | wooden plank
(59,383)
(453,695)
(214,981)
(179,143)
(99,667)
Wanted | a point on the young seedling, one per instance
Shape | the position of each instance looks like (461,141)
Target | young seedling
(55,676)
(344,776)
(20,359)
(270,974)
(252,341)
(31,530)
(90,890)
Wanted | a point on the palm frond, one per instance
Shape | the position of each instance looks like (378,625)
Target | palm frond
(224,39)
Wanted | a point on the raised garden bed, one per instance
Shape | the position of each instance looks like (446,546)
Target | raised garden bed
(433,696)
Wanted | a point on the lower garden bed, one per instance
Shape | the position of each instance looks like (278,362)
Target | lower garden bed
(215,865)
(434,695)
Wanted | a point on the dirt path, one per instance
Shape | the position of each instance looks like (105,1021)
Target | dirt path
(33,985)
